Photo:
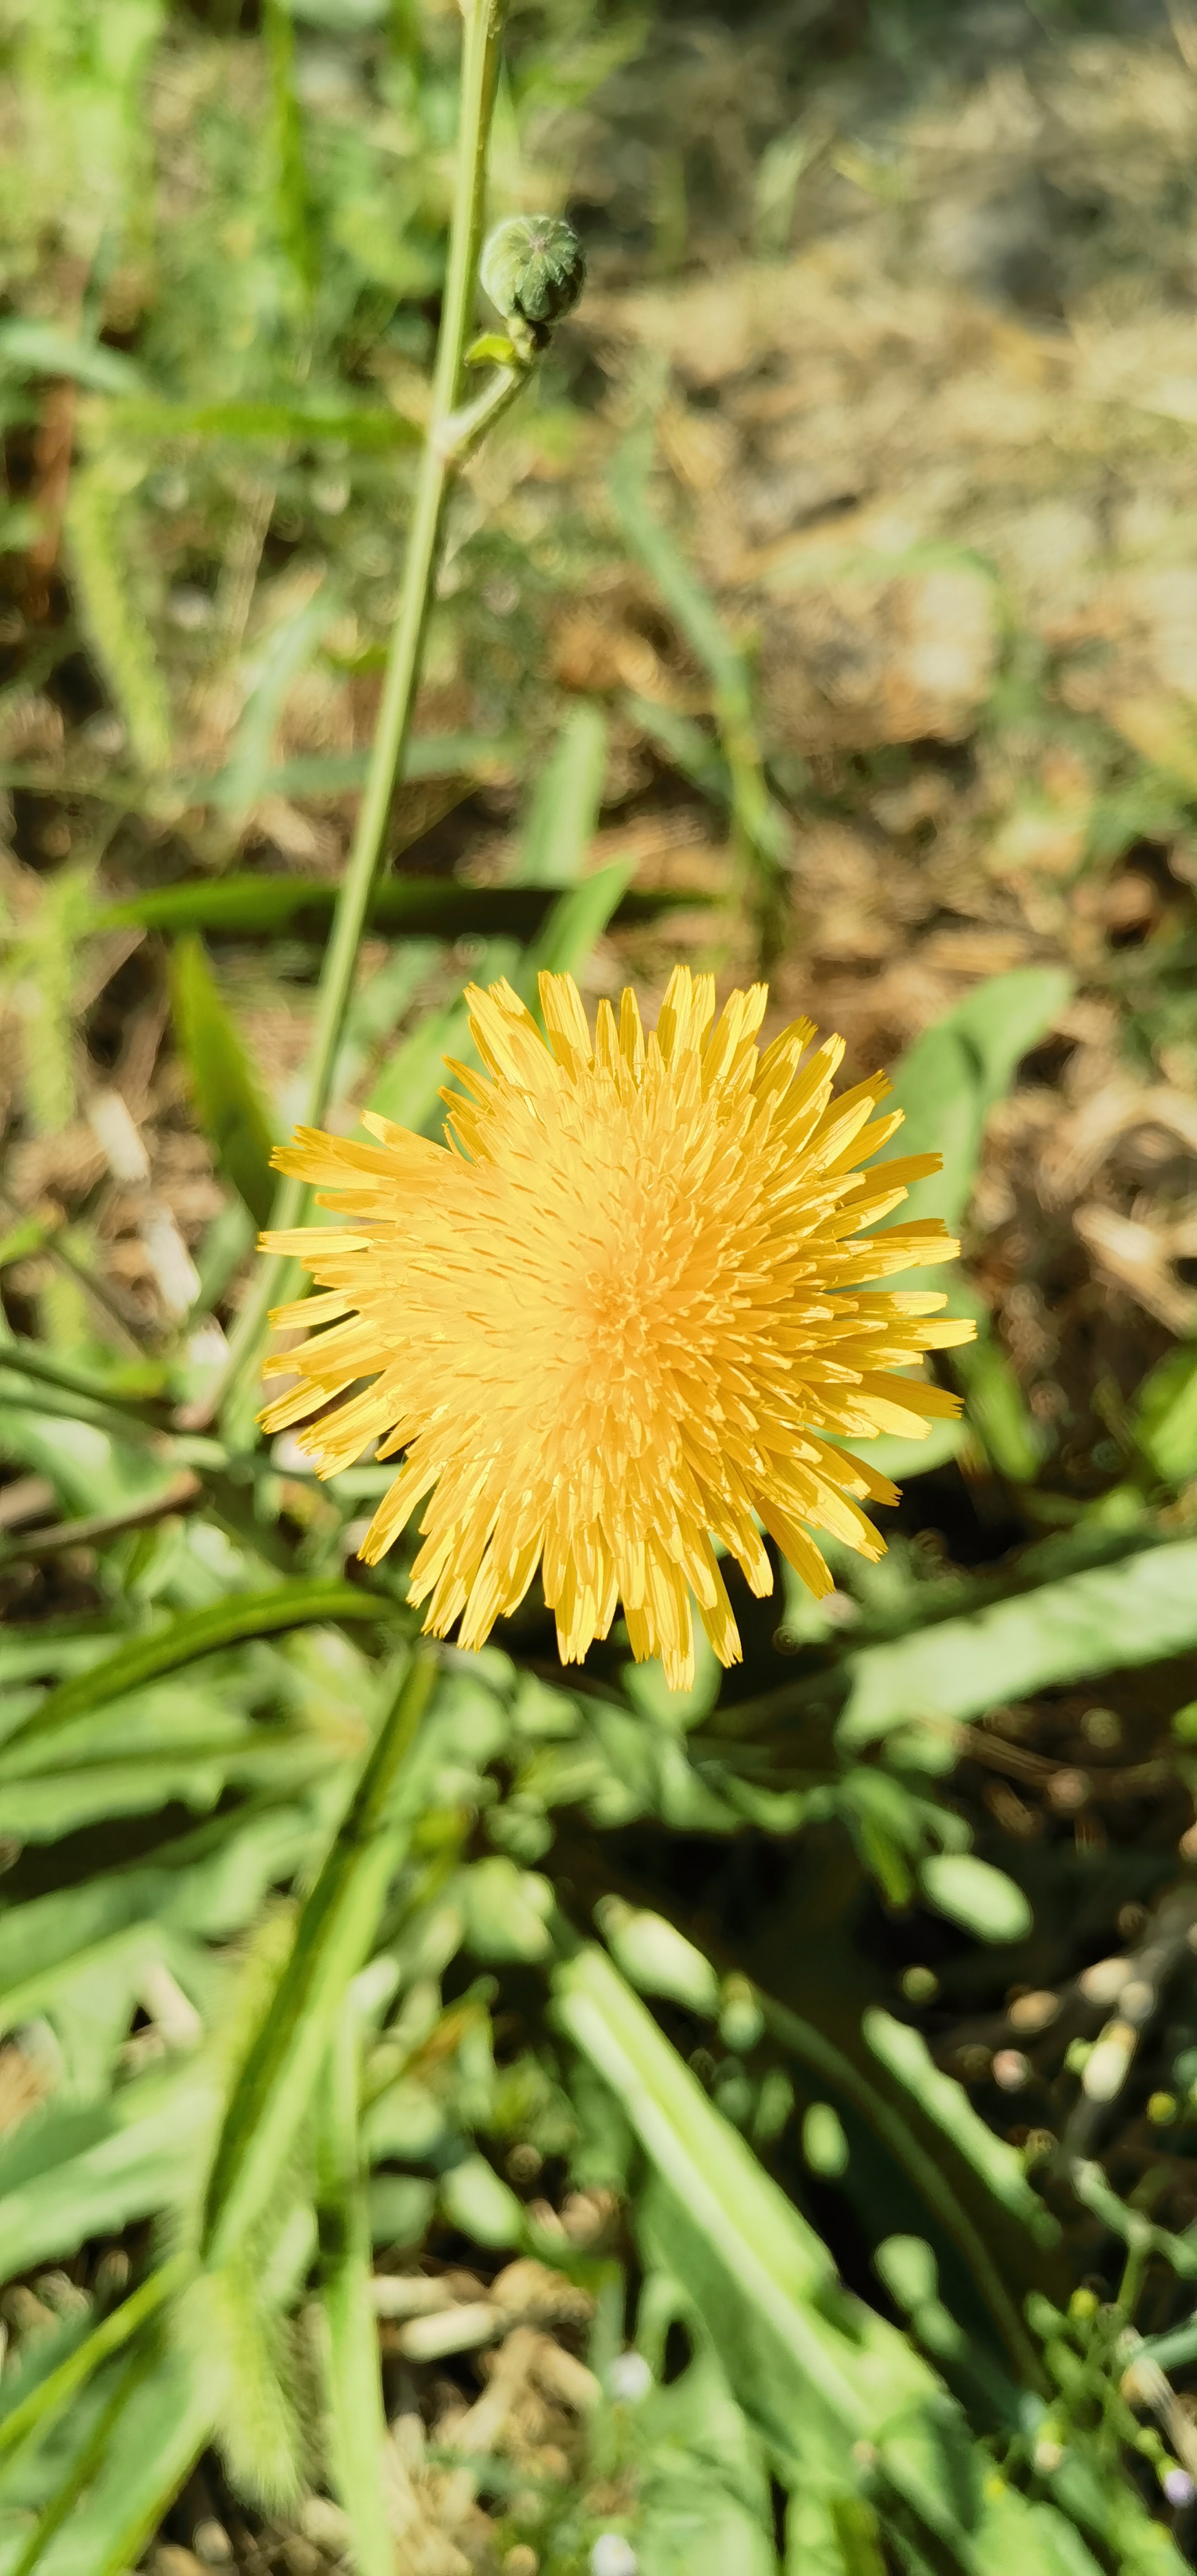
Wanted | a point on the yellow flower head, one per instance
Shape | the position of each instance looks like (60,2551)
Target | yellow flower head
(617,1323)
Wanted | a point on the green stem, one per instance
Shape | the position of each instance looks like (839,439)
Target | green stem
(47,2400)
(18,1352)
(480,68)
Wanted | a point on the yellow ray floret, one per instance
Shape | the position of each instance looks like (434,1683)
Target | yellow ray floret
(618,1319)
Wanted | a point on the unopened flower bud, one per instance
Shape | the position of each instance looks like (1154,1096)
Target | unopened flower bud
(533,269)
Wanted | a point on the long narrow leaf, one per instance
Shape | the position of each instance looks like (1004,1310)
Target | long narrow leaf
(353,2378)
(136,2163)
(1110,1618)
(162,2429)
(575,922)
(198,1632)
(143,416)
(80,2471)
(929,2173)
(264,907)
(817,2374)
(332,1939)
(564,809)
(231,1109)
(47,2399)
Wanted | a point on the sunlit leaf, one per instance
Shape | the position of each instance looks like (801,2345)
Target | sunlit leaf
(1110,1618)
(184,1640)
(231,1108)
(975,1894)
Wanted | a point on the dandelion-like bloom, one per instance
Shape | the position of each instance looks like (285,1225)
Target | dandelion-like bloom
(614,1328)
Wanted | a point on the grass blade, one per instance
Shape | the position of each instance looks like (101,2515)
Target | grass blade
(816,2373)
(760,828)
(197,1632)
(331,1941)
(353,2382)
(82,2469)
(34,2412)
(290,184)
(575,922)
(163,2425)
(564,810)
(264,907)
(231,1109)
(136,416)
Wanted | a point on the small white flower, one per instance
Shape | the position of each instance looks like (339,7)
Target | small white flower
(612,2555)
(629,2377)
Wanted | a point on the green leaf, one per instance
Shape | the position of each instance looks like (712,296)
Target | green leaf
(68,2175)
(903,1458)
(162,2429)
(208,1885)
(817,2542)
(66,1795)
(477,2202)
(332,1940)
(685,744)
(34,2410)
(743,2240)
(350,2355)
(291,211)
(760,825)
(705,2505)
(407,2121)
(823,2142)
(368,427)
(229,1103)
(445,757)
(1165,1415)
(267,907)
(505,1909)
(946,1084)
(973,1893)
(408,1086)
(998,1411)
(907,2266)
(44,349)
(564,811)
(1105,1620)
(903,2051)
(28,1237)
(400,2209)
(283,655)
(657,1958)
(955,1074)
(566,937)
(297,1604)
(94,2437)
(688,602)
(816,2372)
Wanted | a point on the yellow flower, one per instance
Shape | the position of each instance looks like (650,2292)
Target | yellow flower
(614,1321)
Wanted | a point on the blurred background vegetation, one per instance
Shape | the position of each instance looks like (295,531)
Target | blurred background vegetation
(827,608)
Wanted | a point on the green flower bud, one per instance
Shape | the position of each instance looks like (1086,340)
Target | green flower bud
(533,270)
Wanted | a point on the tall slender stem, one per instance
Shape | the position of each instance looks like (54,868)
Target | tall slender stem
(480,68)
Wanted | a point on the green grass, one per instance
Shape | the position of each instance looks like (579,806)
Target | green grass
(450,2104)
